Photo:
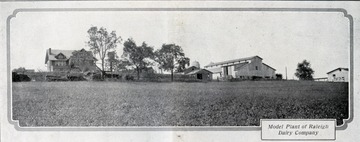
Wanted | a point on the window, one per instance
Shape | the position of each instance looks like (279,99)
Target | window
(60,63)
(256,67)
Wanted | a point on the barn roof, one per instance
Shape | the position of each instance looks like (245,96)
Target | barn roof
(245,63)
(347,69)
(232,61)
(198,70)
(269,66)
(191,67)
(241,65)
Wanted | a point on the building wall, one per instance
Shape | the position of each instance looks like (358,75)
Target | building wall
(206,76)
(252,69)
(268,72)
(248,71)
(339,76)
(61,66)
(244,70)
(56,66)
(48,65)
(217,72)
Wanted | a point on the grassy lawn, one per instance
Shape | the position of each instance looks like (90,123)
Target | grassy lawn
(175,104)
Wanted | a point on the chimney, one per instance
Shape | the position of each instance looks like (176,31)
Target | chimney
(49,51)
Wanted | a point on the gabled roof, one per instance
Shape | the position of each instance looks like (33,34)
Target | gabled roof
(215,70)
(52,53)
(198,70)
(60,54)
(66,53)
(269,66)
(347,69)
(240,65)
(232,61)
(191,67)
(245,63)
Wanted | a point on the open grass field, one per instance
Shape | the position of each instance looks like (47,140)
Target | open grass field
(175,104)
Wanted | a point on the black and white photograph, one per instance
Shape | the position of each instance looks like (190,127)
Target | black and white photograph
(178,68)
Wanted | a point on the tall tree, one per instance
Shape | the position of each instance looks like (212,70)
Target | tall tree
(171,57)
(304,71)
(101,42)
(138,56)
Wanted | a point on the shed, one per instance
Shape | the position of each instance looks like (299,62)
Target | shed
(201,74)
(339,75)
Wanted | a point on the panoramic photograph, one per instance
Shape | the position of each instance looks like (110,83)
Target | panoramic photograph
(178,68)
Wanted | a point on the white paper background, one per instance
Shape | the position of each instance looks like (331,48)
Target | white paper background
(9,134)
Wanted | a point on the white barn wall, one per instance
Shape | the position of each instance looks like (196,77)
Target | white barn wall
(268,71)
(340,76)
(255,67)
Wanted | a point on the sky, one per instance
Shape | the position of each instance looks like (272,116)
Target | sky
(282,39)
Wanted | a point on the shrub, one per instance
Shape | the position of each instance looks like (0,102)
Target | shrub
(76,78)
(129,77)
(97,77)
(19,77)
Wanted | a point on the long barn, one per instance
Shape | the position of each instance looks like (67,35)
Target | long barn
(243,68)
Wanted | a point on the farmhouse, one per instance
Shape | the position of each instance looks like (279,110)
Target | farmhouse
(339,75)
(243,68)
(63,60)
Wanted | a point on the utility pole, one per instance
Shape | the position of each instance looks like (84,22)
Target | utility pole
(286,72)
(111,69)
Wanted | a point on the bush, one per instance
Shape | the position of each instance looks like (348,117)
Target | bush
(19,77)
(76,78)
(97,77)
(129,77)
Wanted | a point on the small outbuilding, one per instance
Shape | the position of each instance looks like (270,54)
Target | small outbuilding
(339,75)
(201,74)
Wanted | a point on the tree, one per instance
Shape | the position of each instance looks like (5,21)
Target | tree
(20,77)
(304,71)
(183,61)
(20,70)
(101,42)
(122,65)
(82,60)
(138,56)
(171,57)
(116,64)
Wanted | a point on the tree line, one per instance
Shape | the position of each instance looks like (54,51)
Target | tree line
(170,57)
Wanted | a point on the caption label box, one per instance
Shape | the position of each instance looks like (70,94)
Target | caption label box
(278,129)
